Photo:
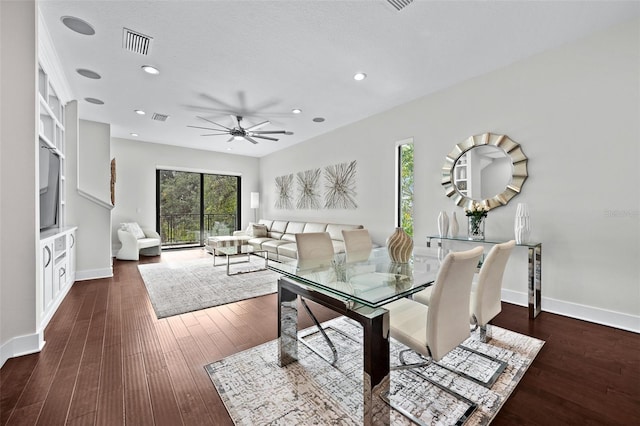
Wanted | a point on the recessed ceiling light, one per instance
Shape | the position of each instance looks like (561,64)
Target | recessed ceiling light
(139,112)
(228,149)
(88,73)
(78,25)
(151,70)
(318,119)
(134,134)
(94,101)
(296,111)
(359,76)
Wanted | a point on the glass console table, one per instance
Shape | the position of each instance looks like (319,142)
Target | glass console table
(534,279)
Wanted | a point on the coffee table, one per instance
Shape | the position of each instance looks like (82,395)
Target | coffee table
(235,251)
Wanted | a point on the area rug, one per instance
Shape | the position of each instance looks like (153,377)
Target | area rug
(178,287)
(256,391)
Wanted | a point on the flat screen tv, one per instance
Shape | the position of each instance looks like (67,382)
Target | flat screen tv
(49,187)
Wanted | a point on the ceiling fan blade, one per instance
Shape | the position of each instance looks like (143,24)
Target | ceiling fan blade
(215,134)
(265,137)
(206,128)
(253,141)
(267,132)
(213,122)
(257,126)
(231,139)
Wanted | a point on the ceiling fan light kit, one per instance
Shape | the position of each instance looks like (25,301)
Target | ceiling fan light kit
(237,132)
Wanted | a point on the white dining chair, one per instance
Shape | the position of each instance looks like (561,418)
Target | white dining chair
(357,244)
(315,251)
(486,293)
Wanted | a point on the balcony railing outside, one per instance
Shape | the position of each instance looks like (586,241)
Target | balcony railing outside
(184,229)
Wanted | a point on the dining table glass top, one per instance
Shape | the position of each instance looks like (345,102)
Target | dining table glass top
(373,282)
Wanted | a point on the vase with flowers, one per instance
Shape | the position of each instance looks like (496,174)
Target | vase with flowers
(476,215)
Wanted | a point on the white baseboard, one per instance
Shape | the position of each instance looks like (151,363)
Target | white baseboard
(582,312)
(21,345)
(93,274)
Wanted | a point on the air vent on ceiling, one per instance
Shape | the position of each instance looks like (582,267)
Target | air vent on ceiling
(399,4)
(136,42)
(159,117)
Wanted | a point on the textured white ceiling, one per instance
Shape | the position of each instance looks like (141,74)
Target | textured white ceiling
(260,59)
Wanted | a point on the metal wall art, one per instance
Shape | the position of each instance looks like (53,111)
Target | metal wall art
(309,196)
(284,190)
(340,186)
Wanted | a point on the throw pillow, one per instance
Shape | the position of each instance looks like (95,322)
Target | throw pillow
(258,231)
(135,229)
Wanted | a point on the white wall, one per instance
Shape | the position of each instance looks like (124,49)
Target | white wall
(136,164)
(19,241)
(575,111)
(88,206)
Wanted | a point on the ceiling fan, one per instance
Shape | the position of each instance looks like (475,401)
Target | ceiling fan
(238,132)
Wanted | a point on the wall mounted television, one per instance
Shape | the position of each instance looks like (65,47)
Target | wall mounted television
(49,187)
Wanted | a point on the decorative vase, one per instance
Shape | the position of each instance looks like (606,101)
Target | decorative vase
(522,224)
(443,224)
(400,246)
(454,227)
(476,227)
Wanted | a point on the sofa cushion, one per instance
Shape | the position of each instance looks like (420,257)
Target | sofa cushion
(295,227)
(134,228)
(315,227)
(338,246)
(289,250)
(258,231)
(271,246)
(257,242)
(147,242)
(335,230)
(266,222)
(279,226)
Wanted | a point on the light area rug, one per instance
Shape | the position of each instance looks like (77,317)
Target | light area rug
(256,391)
(178,287)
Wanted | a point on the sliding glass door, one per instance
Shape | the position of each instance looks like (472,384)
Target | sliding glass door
(192,206)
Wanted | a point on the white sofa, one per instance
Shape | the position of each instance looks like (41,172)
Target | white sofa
(280,241)
(136,241)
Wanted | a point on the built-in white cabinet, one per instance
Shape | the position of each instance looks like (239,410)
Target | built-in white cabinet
(57,268)
(58,242)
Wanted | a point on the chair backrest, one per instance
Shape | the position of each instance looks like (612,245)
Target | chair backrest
(486,300)
(448,314)
(357,244)
(314,249)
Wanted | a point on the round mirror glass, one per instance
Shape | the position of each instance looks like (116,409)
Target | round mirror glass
(482,172)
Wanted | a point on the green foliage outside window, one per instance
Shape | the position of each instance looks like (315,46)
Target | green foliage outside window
(180,207)
(406,188)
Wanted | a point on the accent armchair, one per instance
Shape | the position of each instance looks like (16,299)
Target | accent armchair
(136,240)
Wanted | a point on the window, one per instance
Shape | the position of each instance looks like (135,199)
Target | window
(405,186)
(193,206)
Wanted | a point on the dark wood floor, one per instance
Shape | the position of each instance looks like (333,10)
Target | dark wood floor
(109,361)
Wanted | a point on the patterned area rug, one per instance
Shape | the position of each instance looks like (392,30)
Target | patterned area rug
(256,391)
(176,288)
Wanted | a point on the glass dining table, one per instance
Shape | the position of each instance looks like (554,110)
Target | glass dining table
(358,290)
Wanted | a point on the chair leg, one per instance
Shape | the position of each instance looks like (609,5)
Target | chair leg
(405,366)
(324,334)
(472,405)
(485,333)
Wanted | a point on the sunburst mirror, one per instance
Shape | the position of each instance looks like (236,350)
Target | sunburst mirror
(489,169)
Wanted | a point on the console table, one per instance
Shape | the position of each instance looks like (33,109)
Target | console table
(534,280)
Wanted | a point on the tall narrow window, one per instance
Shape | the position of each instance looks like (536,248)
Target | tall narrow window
(192,206)
(405,186)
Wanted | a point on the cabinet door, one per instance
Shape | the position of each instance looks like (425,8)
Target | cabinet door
(71,256)
(47,275)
